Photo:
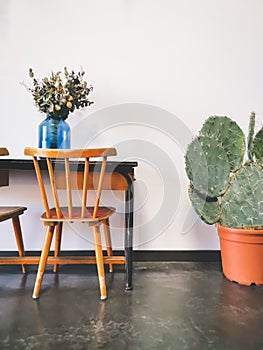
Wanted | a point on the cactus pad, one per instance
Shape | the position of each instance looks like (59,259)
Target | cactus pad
(229,135)
(251,131)
(258,146)
(207,166)
(207,209)
(242,204)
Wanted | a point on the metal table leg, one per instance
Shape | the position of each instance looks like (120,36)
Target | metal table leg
(129,235)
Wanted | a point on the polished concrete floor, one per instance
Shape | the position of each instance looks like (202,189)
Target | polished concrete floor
(183,305)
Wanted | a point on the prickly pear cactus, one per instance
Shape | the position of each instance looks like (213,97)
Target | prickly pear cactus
(224,187)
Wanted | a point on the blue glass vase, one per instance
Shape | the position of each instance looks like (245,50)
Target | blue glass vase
(53,133)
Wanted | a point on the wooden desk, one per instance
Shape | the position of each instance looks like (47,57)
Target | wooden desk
(119,177)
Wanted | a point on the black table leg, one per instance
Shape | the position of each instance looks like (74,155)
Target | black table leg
(129,235)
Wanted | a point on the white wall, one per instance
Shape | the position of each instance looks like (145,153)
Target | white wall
(158,68)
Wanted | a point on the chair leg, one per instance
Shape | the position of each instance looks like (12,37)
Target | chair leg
(43,261)
(100,262)
(19,239)
(57,243)
(106,228)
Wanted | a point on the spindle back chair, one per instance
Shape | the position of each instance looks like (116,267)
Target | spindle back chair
(61,177)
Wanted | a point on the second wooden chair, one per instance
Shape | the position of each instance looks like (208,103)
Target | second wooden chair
(12,213)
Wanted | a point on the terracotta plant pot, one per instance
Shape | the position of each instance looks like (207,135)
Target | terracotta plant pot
(242,254)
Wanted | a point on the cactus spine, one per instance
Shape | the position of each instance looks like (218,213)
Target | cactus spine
(224,187)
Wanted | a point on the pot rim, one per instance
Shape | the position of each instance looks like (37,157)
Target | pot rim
(238,230)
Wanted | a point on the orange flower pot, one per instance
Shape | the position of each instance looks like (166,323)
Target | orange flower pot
(242,254)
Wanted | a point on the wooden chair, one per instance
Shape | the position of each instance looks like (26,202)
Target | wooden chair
(62,177)
(13,213)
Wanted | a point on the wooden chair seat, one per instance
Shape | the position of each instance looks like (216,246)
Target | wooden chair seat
(10,212)
(103,213)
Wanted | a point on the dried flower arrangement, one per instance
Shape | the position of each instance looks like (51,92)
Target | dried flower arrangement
(58,97)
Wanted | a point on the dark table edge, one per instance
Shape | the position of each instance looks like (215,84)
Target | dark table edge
(27,164)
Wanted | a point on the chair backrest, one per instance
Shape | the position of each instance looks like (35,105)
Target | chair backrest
(3,151)
(62,164)
(4,173)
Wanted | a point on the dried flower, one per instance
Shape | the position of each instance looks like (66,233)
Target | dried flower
(58,97)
